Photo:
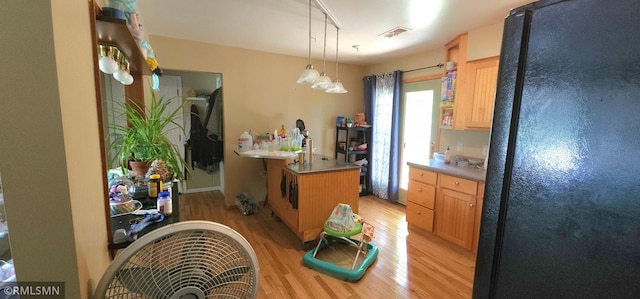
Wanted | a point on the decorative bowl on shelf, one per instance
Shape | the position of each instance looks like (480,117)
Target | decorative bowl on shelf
(362,147)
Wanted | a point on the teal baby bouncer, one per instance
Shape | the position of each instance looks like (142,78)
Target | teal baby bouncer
(339,228)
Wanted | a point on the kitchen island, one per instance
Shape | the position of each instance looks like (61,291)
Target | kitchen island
(303,196)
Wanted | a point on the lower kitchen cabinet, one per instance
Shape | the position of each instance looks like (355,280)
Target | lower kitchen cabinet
(476,229)
(448,206)
(455,217)
(421,196)
(420,216)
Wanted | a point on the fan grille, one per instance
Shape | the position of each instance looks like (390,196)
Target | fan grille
(209,261)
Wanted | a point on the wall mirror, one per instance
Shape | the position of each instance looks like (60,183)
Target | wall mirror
(201,142)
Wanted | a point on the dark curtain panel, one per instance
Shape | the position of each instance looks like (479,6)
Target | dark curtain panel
(394,153)
(369,83)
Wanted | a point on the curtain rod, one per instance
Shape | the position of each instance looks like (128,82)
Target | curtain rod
(439,65)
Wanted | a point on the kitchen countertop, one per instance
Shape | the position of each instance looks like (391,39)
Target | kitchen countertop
(466,172)
(322,163)
(281,155)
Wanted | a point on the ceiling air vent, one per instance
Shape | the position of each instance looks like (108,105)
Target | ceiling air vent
(394,32)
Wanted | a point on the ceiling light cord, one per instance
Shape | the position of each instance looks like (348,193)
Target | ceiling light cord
(324,51)
(309,32)
(309,75)
(337,39)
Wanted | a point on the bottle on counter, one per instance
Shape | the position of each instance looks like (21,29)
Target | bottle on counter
(447,156)
(309,150)
(155,186)
(245,142)
(164,203)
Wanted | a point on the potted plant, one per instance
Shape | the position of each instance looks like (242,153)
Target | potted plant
(144,139)
(349,122)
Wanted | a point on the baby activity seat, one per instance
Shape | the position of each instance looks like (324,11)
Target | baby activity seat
(341,226)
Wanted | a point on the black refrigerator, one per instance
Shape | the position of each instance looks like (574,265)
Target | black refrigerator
(561,216)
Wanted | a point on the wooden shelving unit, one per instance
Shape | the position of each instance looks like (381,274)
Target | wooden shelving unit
(114,32)
(360,135)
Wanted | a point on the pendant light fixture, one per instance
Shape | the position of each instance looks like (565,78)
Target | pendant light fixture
(309,74)
(323,81)
(336,86)
(107,63)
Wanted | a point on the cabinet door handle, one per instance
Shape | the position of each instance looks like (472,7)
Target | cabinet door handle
(471,205)
(419,189)
(419,212)
(456,183)
(421,174)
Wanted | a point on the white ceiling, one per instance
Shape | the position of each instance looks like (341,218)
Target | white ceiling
(281,26)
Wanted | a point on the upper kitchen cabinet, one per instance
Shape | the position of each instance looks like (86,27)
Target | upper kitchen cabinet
(468,88)
(453,82)
(482,79)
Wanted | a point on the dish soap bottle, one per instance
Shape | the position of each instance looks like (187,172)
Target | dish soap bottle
(447,156)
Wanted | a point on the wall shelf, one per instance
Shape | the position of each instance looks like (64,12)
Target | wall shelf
(114,32)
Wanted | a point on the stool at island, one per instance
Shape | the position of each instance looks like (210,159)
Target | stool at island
(341,226)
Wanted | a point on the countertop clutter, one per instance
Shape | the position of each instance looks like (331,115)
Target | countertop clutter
(465,172)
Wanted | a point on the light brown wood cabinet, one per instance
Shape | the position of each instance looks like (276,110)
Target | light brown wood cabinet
(421,196)
(475,91)
(455,210)
(304,201)
(479,204)
(449,206)
(451,114)
(482,80)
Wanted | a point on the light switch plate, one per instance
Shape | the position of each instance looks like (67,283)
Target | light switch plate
(460,146)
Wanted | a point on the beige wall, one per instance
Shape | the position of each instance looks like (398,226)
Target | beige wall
(72,32)
(428,58)
(49,145)
(482,42)
(485,41)
(260,94)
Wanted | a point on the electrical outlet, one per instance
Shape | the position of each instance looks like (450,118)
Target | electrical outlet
(460,146)
(485,150)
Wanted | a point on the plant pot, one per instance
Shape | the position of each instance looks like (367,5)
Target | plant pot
(139,168)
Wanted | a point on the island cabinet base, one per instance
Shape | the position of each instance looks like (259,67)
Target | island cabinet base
(304,200)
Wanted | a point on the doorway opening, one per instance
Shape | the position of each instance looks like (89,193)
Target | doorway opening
(203,157)
(416,133)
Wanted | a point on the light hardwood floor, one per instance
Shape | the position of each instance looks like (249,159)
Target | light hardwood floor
(410,263)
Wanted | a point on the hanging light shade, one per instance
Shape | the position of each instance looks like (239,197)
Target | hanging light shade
(323,81)
(309,74)
(336,86)
(121,73)
(106,62)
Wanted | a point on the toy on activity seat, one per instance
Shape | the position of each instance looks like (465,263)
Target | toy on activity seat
(339,228)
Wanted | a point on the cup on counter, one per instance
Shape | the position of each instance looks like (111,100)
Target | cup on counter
(301,159)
